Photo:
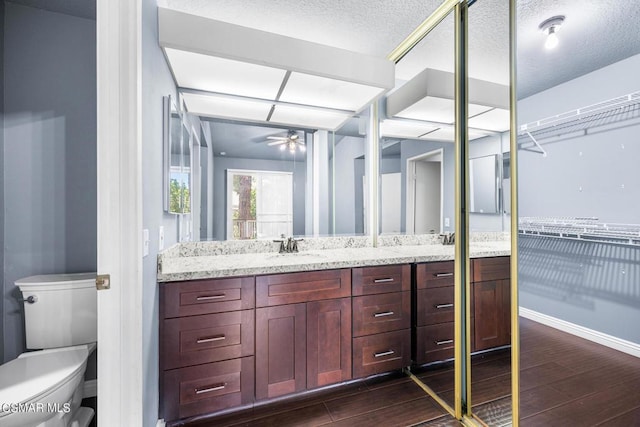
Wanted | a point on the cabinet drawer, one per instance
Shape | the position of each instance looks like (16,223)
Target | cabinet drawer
(207,388)
(434,342)
(207,296)
(435,305)
(208,338)
(373,314)
(380,280)
(484,269)
(373,354)
(434,274)
(291,288)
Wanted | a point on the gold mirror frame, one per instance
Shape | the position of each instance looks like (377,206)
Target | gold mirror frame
(462,363)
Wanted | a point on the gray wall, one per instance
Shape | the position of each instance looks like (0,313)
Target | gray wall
(49,153)
(156,83)
(591,284)
(221,164)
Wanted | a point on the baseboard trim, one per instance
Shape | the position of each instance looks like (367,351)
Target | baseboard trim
(90,388)
(582,332)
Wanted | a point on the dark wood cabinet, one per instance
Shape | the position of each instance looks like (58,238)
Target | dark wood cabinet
(373,354)
(280,350)
(381,319)
(328,342)
(491,303)
(307,344)
(228,342)
(373,314)
(434,328)
(206,346)
(491,323)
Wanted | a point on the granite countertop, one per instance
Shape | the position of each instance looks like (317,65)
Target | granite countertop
(211,260)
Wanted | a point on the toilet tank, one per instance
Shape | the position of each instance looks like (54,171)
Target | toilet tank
(60,310)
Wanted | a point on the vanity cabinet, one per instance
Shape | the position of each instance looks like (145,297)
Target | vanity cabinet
(434,332)
(491,303)
(381,319)
(228,342)
(303,331)
(206,346)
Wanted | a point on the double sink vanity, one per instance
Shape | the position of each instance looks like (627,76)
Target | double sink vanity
(241,324)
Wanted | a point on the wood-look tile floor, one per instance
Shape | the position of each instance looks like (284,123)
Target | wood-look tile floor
(565,381)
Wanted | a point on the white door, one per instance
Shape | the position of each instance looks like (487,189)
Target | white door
(390,202)
(427,197)
(119,222)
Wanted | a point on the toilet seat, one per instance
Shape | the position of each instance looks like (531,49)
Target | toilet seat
(36,373)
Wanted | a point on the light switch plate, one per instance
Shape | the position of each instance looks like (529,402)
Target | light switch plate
(161,238)
(145,242)
(446,222)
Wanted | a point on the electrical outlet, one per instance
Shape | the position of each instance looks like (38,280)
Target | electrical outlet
(145,242)
(446,222)
(161,238)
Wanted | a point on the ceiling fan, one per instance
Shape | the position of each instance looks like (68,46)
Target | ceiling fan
(290,142)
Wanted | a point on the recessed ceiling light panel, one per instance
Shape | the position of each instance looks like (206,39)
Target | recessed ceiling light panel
(231,108)
(329,93)
(213,74)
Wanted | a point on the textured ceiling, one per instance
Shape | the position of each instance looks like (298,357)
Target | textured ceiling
(596,33)
(80,8)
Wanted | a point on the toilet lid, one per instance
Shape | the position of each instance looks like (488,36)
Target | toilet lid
(36,372)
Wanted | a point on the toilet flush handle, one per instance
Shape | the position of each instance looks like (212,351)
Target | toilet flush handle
(31,299)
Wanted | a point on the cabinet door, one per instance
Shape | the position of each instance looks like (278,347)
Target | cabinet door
(491,307)
(280,350)
(328,342)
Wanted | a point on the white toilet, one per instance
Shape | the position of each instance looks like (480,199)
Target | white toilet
(44,388)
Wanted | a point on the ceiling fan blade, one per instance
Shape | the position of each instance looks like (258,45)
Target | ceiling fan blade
(301,142)
(277,142)
(281,138)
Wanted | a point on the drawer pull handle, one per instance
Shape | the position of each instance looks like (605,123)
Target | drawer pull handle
(210,297)
(439,306)
(210,389)
(386,280)
(212,339)
(384,353)
(443,274)
(443,342)
(384,314)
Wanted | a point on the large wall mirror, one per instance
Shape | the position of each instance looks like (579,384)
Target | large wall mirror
(177,159)
(263,180)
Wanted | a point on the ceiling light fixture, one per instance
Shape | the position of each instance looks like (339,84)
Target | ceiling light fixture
(550,28)
(267,77)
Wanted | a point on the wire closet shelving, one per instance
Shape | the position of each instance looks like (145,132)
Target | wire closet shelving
(581,229)
(600,116)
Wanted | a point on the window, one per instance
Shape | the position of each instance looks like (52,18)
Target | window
(259,204)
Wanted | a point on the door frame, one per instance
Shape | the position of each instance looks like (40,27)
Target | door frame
(411,189)
(119,211)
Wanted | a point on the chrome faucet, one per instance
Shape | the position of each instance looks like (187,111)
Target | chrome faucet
(288,244)
(448,239)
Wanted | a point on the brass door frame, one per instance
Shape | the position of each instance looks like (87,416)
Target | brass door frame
(462,362)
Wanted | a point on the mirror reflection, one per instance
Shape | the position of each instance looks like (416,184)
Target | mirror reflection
(265,180)
(489,200)
(177,148)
